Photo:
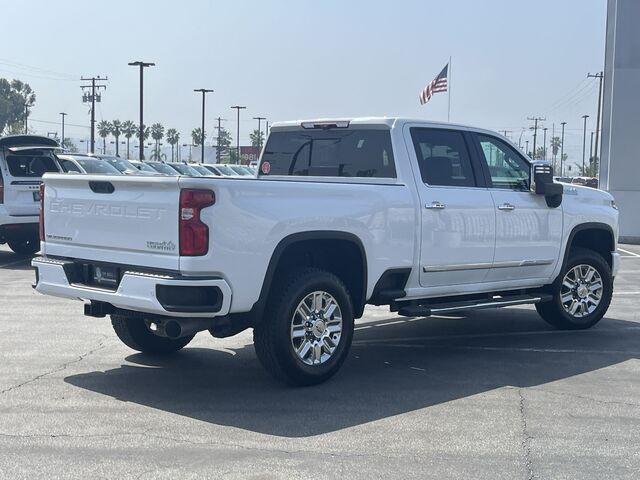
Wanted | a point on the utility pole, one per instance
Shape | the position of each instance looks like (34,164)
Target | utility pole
(238,108)
(204,92)
(600,77)
(94,97)
(535,131)
(544,144)
(562,150)
(584,141)
(26,114)
(142,66)
(591,149)
(526,148)
(62,115)
(219,127)
(259,133)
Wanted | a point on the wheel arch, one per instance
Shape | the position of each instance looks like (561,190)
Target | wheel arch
(595,236)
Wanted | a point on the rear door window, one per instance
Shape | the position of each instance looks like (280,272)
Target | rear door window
(30,166)
(443,157)
(349,152)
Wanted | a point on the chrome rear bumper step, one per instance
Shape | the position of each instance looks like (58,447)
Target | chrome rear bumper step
(467,305)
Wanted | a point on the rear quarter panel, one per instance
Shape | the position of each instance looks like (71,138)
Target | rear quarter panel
(250,217)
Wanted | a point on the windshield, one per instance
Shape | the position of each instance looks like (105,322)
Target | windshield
(224,170)
(202,170)
(96,165)
(143,167)
(186,170)
(122,165)
(163,168)
(238,169)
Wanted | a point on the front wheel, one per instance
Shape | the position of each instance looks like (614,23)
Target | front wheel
(25,246)
(582,293)
(306,334)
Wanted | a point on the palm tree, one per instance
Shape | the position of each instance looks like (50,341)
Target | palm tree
(145,134)
(104,129)
(116,131)
(257,138)
(128,129)
(196,136)
(173,137)
(157,132)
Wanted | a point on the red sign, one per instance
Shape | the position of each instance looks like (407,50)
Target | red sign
(248,155)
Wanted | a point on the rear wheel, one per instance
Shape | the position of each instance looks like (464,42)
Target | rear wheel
(135,334)
(582,293)
(307,330)
(25,246)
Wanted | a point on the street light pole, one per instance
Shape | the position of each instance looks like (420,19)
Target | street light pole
(238,108)
(204,91)
(562,150)
(584,141)
(62,114)
(142,66)
(259,132)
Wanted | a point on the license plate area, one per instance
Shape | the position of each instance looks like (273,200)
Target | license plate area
(94,275)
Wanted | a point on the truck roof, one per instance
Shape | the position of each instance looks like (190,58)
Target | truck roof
(389,122)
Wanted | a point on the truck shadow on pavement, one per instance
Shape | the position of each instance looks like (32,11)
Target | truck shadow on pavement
(393,368)
(13,261)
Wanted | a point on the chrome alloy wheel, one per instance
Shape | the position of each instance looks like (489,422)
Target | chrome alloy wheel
(581,290)
(316,328)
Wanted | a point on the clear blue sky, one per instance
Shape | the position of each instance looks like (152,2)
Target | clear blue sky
(303,58)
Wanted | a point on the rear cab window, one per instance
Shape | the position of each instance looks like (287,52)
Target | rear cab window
(334,152)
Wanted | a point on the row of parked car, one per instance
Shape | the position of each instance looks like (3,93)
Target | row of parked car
(111,165)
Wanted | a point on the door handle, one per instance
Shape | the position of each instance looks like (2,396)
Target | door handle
(506,206)
(435,206)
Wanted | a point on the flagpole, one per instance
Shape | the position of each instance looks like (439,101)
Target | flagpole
(449,94)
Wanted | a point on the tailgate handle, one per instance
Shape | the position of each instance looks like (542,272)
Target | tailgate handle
(101,187)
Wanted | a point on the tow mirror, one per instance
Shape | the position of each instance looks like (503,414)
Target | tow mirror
(542,184)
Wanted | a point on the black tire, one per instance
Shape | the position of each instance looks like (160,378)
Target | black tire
(554,313)
(25,246)
(272,335)
(133,332)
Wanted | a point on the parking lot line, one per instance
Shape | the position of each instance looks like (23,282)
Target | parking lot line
(628,252)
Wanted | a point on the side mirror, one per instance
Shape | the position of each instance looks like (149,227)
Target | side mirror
(542,184)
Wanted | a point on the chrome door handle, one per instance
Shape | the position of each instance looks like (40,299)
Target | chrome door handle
(506,206)
(435,206)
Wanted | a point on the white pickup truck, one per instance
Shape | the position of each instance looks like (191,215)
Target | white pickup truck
(423,217)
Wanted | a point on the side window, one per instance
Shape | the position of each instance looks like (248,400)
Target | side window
(69,166)
(443,157)
(508,169)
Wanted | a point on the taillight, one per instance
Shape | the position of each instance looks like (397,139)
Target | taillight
(41,220)
(194,234)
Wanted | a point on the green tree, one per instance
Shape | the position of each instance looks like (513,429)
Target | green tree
(224,142)
(14,97)
(70,146)
(157,133)
(104,129)
(128,130)
(116,131)
(233,156)
(196,136)
(173,137)
(257,138)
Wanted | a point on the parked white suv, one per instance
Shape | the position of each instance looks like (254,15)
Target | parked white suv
(23,161)
(424,217)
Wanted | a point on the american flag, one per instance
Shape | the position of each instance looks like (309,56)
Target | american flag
(438,84)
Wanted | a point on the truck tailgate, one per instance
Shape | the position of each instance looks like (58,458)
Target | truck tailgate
(131,220)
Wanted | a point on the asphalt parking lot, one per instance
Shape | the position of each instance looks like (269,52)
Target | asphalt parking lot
(493,394)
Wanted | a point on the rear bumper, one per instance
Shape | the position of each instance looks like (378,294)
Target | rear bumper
(157,294)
